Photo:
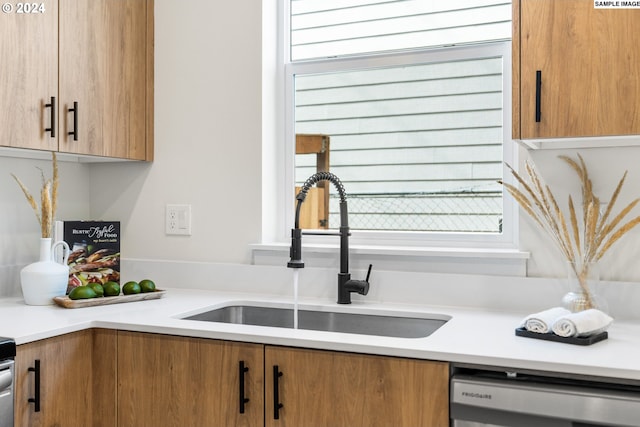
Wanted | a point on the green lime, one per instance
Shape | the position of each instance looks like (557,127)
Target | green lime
(111,289)
(130,288)
(82,292)
(147,285)
(97,288)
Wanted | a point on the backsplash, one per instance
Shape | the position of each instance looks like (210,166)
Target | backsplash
(493,293)
(606,166)
(19,228)
(10,281)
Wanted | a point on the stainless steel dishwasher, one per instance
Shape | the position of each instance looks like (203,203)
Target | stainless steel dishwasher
(7,353)
(494,398)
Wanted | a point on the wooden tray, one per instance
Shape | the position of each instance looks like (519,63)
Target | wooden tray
(67,302)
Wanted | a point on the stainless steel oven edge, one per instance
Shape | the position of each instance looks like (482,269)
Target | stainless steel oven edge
(6,393)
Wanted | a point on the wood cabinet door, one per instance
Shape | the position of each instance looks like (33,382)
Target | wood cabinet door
(77,380)
(168,381)
(103,67)
(324,388)
(28,74)
(588,59)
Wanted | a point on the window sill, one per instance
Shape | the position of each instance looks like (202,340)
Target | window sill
(501,262)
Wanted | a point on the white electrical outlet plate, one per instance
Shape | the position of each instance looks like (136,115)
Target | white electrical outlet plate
(178,220)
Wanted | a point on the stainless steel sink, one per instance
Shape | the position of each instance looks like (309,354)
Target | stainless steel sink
(352,323)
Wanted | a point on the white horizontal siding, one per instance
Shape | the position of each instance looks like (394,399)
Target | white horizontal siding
(393,7)
(417,172)
(422,156)
(423,88)
(430,26)
(401,186)
(322,29)
(416,105)
(435,138)
(437,71)
(403,123)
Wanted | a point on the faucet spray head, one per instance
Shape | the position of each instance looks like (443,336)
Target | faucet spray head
(295,252)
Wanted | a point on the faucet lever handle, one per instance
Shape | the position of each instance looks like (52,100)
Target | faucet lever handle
(368,273)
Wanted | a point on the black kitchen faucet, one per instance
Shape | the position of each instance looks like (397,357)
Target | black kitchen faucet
(345,284)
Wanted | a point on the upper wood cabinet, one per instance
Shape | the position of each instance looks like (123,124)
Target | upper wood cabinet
(96,58)
(103,67)
(575,70)
(28,77)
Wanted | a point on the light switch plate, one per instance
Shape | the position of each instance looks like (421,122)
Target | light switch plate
(178,220)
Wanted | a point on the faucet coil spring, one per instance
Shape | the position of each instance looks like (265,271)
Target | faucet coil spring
(322,176)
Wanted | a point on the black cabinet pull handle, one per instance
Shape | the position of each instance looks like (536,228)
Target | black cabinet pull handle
(36,392)
(242,369)
(538,93)
(276,393)
(74,110)
(52,105)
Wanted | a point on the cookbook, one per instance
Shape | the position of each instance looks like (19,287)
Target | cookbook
(94,251)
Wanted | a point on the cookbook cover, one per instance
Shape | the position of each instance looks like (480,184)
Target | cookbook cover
(94,251)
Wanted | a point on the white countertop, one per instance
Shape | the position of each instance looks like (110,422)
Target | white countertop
(471,336)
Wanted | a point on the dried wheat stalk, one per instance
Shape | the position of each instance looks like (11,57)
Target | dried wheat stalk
(48,200)
(46,222)
(54,186)
(581,244)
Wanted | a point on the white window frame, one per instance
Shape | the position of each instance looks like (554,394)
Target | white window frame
(506,239)
(449,252)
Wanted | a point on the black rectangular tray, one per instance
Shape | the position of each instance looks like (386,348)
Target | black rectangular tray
(522,332)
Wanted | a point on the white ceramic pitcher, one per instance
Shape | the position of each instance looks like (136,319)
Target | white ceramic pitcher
(45,279)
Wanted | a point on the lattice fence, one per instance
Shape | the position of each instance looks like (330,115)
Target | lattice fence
(443,212)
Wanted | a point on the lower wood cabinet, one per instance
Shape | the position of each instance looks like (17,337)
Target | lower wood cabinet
(168,381)
(103,378)
(326,388)
(68,380)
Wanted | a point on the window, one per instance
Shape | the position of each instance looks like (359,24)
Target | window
(414,97)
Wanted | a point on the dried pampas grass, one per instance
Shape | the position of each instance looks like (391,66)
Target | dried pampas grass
(48,200)
(585,240)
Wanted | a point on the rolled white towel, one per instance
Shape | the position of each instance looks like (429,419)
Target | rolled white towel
(543,321)
(582,324)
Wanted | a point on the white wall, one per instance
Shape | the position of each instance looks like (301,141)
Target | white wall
(207,138)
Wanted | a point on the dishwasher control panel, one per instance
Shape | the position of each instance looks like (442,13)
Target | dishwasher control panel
(494,398)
